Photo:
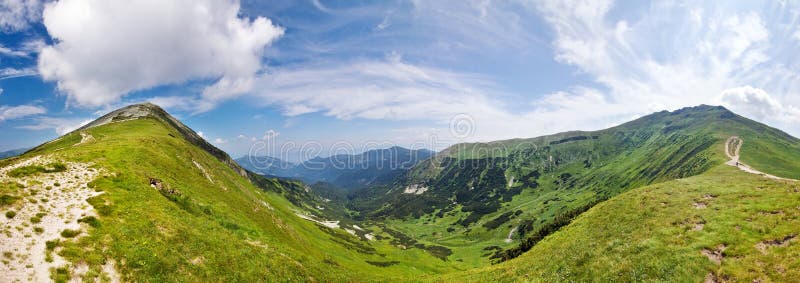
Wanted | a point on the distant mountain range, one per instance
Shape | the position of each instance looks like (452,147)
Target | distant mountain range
(373,167)
(13,152)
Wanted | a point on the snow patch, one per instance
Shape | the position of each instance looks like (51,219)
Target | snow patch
(329,224)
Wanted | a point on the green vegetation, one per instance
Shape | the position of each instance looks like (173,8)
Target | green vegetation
(659,233)
(36,169)
(231,224)
(90,220)
(621,204)
(60,274)
(67,233)
(10,193)
(10,214)
(475,190)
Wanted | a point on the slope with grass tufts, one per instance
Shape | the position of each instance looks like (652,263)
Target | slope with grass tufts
(477,194)
(722,226)
(171,207)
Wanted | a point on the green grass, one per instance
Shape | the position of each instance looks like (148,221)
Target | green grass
(36,169)
(157,233)
(647,234)
(573,170)
(10,193)
(67,233)
(193,229)
(10,214)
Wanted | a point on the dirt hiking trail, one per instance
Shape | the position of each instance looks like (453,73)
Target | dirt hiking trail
(732,148)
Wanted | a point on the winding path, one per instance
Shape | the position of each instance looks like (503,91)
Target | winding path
(732,147)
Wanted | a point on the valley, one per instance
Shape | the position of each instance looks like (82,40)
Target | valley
(145,198)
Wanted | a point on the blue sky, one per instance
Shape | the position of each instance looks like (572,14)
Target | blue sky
(364,74)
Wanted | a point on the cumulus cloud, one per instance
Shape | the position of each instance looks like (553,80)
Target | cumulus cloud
(757,103)
(220,141)
(17,15)
(106,49)
(14,112)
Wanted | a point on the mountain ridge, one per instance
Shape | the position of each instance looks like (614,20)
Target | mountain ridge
(347,171)
(196,218)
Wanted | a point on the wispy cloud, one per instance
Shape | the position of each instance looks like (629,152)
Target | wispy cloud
(20,111)
(61,126)
(16,15)
(8,73)
(671,56)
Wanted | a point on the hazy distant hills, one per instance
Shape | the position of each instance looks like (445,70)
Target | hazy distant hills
(12,153)
(373,167)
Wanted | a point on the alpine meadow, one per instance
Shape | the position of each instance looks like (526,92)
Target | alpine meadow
(399,141)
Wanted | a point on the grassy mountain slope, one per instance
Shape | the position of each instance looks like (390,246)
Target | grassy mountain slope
(485,200)
(204,220)
(672,231)
(174,208)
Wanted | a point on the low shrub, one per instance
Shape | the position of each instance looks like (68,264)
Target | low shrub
(69,233)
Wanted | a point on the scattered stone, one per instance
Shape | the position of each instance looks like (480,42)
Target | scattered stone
(764,245)
(715,255)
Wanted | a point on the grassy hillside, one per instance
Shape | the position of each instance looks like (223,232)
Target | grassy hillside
(204,221)
(672,231)
(486,200)
(167,206)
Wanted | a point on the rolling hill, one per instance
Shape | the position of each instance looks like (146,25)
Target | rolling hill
(492,201)
(138,196)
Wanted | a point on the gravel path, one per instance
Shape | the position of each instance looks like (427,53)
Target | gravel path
(732,147)
(57,201)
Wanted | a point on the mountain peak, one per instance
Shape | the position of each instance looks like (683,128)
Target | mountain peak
(150,110)
(130,112)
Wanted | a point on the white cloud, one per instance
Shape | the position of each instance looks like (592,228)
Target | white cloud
(391,90)
(8,73)
(14,112)
(670,56)
(220,141)
(27,48)
(385,23)
(17,15)
(1,90)
(60,125)
(107,49)
(200,133)
(757,103)
(5,51)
